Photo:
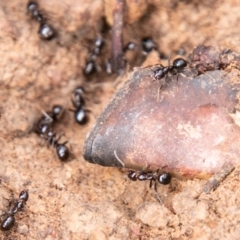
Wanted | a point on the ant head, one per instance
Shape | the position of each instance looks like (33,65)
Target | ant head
(32,6)
(164,178)
(159,72)
(132,175)
(99,42)
(130,46)
(23,195)
(79,90)
(57,112)
(148,45)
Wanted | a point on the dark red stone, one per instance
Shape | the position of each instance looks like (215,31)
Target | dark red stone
(191,130)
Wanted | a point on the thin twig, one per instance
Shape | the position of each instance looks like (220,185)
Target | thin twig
(117,37)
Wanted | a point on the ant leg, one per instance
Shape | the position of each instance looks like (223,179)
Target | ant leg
(59,137)
(88,110)
(158,93)
(145,169)
(177,80)
(166,78)
(73,103)
(71,148)
(150,185)
(55,141)
(152,75)
(155,189)
(169,57)
(155,175)
(50,139)
(48,118)
(177,77)
(159,90)
(64,143)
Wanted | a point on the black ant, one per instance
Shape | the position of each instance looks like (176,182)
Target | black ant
(160,72)
(178,65)
(181,51)
(48,119)
(78,102)
(57,112)
(44,130)
(61,148)
(163,178)
(9,221)
(45,30)
(91,65)
(143,175)
(98,45)
(148,45)
(130,46)
(33,10)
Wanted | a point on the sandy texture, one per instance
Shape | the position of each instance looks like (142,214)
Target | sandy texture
(79,200)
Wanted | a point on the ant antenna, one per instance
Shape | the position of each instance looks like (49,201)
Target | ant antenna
(169,57)
(157,195)
(155,187)
(119,160)
(48,118)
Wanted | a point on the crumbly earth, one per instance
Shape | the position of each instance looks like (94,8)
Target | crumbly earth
(76,199)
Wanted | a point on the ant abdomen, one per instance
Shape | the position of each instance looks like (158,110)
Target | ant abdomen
(179,63)
(132,175)
(81,116)
(78,102)
(46,32)
(163,178)
(62,151)
(8,222)
(44,130)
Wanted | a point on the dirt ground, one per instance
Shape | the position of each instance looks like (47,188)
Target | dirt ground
(76,199)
